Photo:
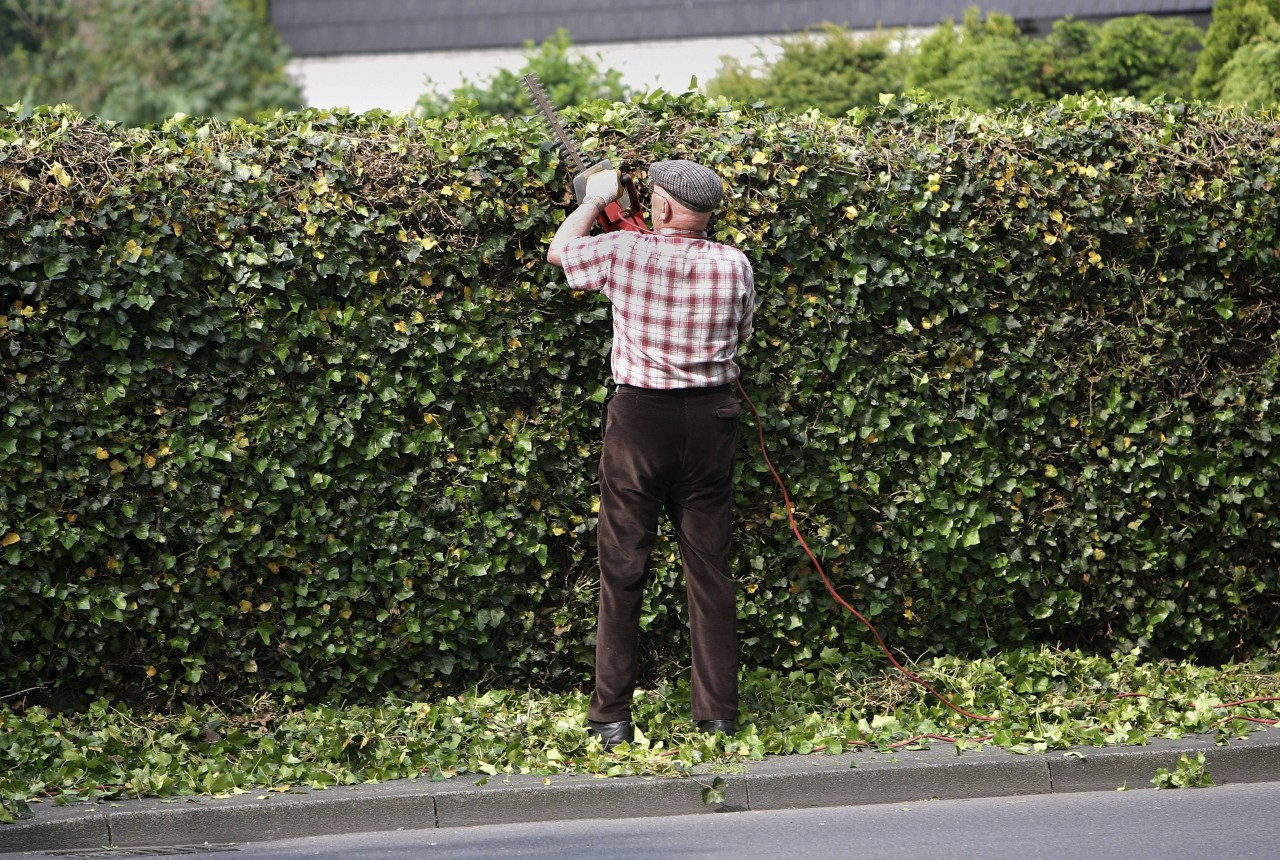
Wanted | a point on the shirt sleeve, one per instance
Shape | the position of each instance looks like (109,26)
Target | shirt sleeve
(587,262)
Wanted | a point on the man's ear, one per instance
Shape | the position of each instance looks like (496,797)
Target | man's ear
(665,212)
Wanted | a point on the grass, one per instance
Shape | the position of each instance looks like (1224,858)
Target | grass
(1036,700)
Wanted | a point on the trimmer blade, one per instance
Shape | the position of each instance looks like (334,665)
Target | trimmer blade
(549,115)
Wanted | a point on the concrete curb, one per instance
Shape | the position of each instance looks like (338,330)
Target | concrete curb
(787,782)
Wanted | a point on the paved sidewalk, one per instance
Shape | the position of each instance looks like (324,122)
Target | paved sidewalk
(775,783)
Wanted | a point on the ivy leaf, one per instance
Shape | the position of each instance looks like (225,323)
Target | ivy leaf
(714,794)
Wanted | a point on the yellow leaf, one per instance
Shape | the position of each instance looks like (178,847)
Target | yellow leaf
(426,280)
(60,173)
(10,539)
(148,461)
(760,158)
(401,327)
(373,276)
(102,453)
(1050,239)
(151,671)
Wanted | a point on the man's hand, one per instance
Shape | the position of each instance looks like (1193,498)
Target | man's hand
(600,180)
(607,185)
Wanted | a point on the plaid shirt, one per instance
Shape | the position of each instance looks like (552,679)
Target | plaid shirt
(681,306)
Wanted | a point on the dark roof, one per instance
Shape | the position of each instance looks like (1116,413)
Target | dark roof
(328,27)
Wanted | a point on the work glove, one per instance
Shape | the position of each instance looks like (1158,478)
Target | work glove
(600,180)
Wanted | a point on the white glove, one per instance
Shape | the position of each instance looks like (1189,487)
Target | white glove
(606,184)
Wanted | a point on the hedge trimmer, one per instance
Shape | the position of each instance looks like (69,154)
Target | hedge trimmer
(613,216)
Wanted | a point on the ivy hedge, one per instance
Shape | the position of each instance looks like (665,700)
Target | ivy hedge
(298,407)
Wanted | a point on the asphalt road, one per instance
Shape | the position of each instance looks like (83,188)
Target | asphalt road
(1237,821)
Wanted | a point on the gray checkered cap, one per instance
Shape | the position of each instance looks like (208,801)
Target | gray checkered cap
(697,187)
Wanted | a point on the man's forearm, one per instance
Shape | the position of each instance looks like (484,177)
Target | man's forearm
(577,225)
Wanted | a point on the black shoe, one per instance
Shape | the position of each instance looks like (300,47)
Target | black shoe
(710,727)
(611,734)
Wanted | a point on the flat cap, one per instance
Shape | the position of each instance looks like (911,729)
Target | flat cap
(697,187)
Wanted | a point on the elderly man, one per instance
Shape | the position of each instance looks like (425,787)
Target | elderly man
(682,305)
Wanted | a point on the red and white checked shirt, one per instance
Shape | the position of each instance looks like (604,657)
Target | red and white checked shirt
(681,305)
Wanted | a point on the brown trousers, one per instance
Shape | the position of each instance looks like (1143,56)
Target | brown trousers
(672,452)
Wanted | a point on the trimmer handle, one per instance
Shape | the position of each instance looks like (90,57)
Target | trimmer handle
(613,217)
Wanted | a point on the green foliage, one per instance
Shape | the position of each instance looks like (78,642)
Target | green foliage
(1043,701)
(983,63)
(570,79)
(141,61)
(1252,76)
(27,24)
(1235,23)
(1138,56)
(259,9)
(1188,773)
(833,72)
(299,408)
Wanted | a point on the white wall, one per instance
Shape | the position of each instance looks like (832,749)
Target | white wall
(394,81)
